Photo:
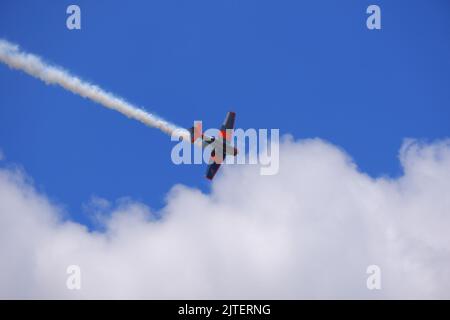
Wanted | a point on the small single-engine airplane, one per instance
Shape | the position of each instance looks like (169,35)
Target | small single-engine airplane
(221,146)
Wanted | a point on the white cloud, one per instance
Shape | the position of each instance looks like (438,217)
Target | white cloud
(308,232)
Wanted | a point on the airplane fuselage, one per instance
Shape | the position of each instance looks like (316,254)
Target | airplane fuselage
(221,145)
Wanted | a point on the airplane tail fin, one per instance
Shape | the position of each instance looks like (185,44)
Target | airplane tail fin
(196,132)
(191,132)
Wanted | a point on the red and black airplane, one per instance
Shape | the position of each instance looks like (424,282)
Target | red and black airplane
(222,146)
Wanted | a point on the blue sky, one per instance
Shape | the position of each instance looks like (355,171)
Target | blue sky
(310,68)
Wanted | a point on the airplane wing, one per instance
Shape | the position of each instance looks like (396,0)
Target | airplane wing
(228,125)
(212,169)
(213,165)
(229,121)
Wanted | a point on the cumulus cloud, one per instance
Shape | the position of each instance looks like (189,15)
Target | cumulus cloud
(309,232)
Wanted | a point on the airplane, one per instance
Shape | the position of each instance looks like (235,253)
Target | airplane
(222,146)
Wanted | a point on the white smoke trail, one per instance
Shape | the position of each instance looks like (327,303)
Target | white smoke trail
(11,55)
